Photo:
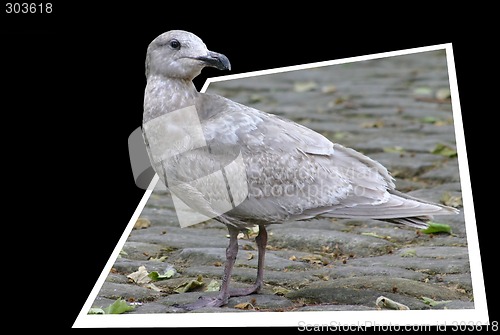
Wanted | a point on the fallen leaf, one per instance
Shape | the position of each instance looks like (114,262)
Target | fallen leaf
(323,277)
(278,290)
(429,119)
(169,273)
(254,98)
(249,256)
(451,200)
(118,307)
(432,302)
(435,121)
(122,253)
(395,149)
(443,93)
(244,305)
(293,258)
(153,287)
(435,228)
(214,285)
(444,150)
(271,247)
(340,135)
(314,259)
(377,236)
(158,259)
(254,229)
(304,86)
(409,253)
(95,310)
(142,223)
(189,285)
(340,100)
(140,276)
(421,92)
(329,89)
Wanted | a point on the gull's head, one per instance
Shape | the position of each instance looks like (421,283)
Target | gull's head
(182,55)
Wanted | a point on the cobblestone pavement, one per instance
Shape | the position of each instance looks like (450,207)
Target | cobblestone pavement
(396,110)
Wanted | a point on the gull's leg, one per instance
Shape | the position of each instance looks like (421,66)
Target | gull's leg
(261,241)
(223,296)
(231,253)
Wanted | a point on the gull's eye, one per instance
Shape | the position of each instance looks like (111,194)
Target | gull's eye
(174,44)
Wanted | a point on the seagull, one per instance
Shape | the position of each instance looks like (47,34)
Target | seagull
(285,171)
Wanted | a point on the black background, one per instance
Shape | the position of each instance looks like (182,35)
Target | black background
(72,92)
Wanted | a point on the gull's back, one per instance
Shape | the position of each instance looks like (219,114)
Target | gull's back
(285,171)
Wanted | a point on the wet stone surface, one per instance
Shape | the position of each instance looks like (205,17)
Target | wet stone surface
(385,108)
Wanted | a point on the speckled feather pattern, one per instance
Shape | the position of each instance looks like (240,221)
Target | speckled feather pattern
(292,172)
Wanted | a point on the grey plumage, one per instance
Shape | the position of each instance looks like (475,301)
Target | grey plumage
(292,172)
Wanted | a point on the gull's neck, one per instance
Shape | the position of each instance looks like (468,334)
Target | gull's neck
(165,95)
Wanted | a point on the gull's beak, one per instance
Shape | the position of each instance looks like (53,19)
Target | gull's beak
(216,60)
